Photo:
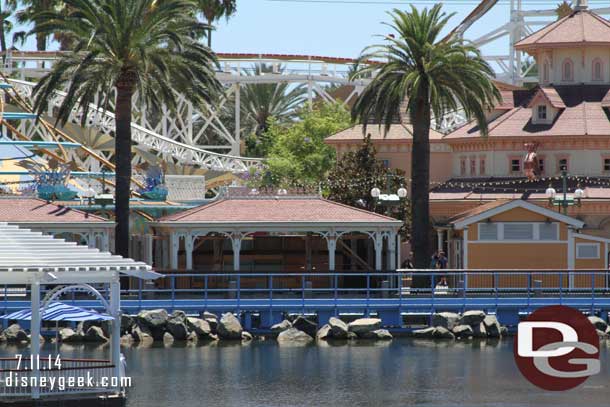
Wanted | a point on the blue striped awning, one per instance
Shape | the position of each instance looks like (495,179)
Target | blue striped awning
(58,311)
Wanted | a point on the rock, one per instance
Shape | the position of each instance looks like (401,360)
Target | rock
(179,314)
(192,337)
(363,325)
(127,322)
(426,333)
(153,319)
(598,323)
(208,315)
(338,328)
(177,327)
(68,335)
(601,334)
(463,331)
(294,335)
(229,327)
(608,331)
(472,318)
(126,339)
(492,326)
(503,331)
(95,334)
(281,327)
(445,319)
(40,338)
(141,333)
(324,332)
(213,322)
(379,334)
(303,324)
(479,331)
(199,326)
(246,336)
(168,338)
(84,326)
(351,336)
(14,333)
(441,332)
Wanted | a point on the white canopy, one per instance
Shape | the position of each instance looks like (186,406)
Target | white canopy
(26,255)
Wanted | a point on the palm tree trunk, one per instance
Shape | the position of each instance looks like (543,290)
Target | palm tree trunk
(41,42)
(209,33)
(123,163)
(420,182)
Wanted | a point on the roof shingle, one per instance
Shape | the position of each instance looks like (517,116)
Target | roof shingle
(34,210)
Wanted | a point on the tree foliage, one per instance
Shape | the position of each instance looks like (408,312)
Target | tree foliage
(214,10)
(298,155)
(357,172)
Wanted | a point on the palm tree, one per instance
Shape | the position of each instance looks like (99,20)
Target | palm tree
(6,26)
(214,10)
(144,46)
(28,14)
(421,76)
(261,101)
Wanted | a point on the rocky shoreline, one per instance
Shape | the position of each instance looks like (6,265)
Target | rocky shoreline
(158,325)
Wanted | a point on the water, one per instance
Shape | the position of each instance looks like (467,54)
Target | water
(398,373)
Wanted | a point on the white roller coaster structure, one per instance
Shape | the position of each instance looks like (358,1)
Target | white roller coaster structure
(177,137)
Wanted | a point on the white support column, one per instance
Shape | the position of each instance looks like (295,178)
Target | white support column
(439,239)
(188,247)
(91,240)
(35,335)
(392,251)
(106,241)
(174,246)
(378,240)
(237,141)
(236,243)
(115,343)
(465,249)
(571,250)
(331,241)
(398,244)
(148,249)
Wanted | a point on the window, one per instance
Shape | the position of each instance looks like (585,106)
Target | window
(549,231)
(488,231)
(473,166)
(515,165)
(598,70)
(606,164)
(482,168)
(462,166)
(518,231)
(562,164)
(568,71)
(587,250)
(386,163)
(542,112)
(541,165)
(545,72)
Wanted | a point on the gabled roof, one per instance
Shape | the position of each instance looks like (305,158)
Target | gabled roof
(550,95)
(25,254)
(582,27)
(292,210)
(490,209)
(34,210)
(397,132)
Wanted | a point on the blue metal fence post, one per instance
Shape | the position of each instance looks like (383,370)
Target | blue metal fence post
(336,284)
(592,292)
(368,294)
(271,297)
(173,287)
(303,294)
(238,294)
(560,288)
(139,294)
(205,291)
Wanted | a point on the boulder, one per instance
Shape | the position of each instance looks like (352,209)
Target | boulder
(426,333)
(153,319)
(192,337)
(95,334)
(472,318)
(246,336)
(363,325)
(601,334)
(68,335)
(208,315)
(176,326)
(463,331)
(351,336)
(168,338)
(127,322)
(229,327)
(84,326)
(608,331)
(303,324)
(141,333)
(281,327)
(442,333)
(126,339)
(338,328)
(179,314)
(14,333)
(479,331)
(324,332)
(492,326)
(199,326)
(294,335)
(445,319)
(379,334)
(503,331)
(598,323)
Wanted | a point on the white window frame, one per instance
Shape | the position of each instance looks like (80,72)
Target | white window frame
(597,249)
(542,112)
(535,233)
(497,224)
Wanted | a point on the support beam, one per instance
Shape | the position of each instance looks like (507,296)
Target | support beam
(236,243)
(378,240)
(115,343)
(174,246)
(331,240)
(236,143)
(35,335)
(188,247)
(392,251)
(439,239)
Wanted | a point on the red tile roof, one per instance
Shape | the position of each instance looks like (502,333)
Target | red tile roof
(281,210)
(397,132)
(580,27)
(34,210)
(477,210)
(550,95)
(583,115)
